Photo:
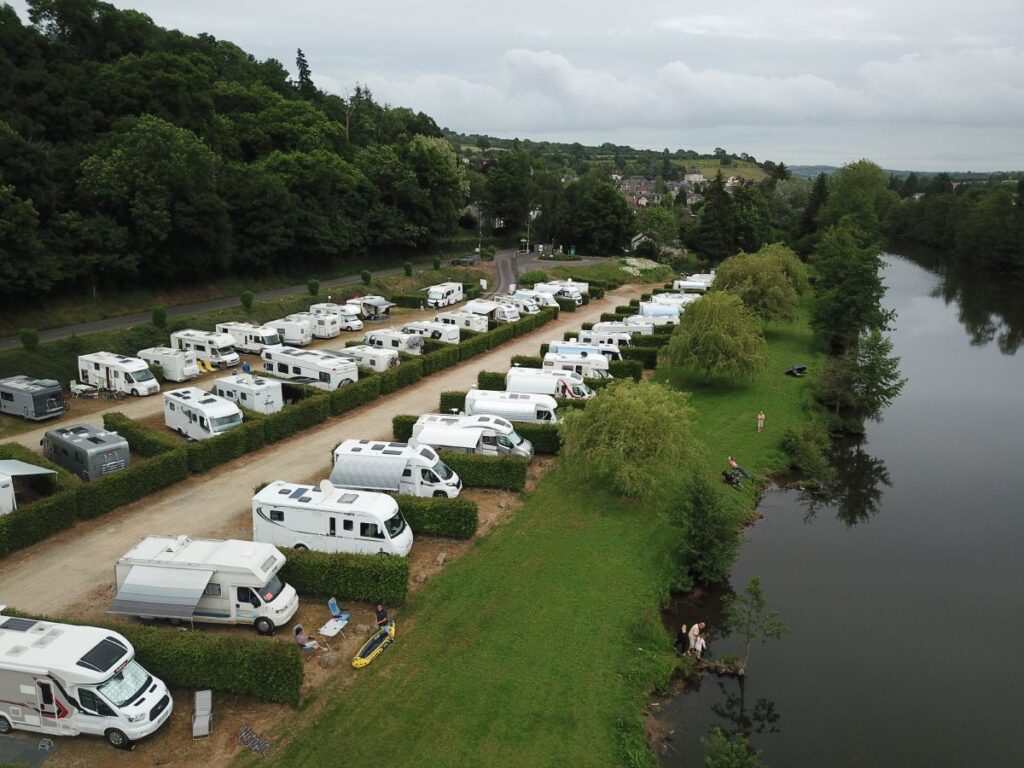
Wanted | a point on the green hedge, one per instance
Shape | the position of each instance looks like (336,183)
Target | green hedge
(140,479)
(587,326)
(646,356)
(64,479)
(403,375)
(409,301)
(204,455)
(450,518)
(440,359)
(654,340)
(366,578)
(625,369)
(401,426)
(296,417)
(36,521)
(490,380)
(143,439)
(452,401)
(364,391)
(614,317)
(545,437)
(596,292)
(565,403)
(596,384)
(564,304)
(528,361)
(475,346)
(507,472)
(532,277)
(627,311)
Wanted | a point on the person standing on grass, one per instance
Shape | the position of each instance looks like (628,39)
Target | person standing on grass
(694,633)
(760,421)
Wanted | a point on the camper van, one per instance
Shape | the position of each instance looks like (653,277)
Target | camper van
(329,519)
(443,332)
(531,408)
(539,381)
(217,349)
(325,326)
(373,465)
(681,300)
(250,391)
(118,373)
(33,399)
(467,320)
(367,357)
(86,451)
(444,294)
(567,289)
(605,338)
(293,331)
(249,337)
(591,365)
(347,314)
(70,679)
(574,347)
(387,338)
(524,306)
(374,307)
(639,327)
(221,582)
(653,321)
(485,435)
(10,469)
(176,364)
(686,284)
(492,310)
(323,369)
(199,415)
(540,298)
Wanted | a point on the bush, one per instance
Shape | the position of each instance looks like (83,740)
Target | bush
(364,391)
(437,262)
(139,480)
(646,356)
(313,286)
(626,369)
(613,317)
(366,276)
(408,300)
(474,346)
(296,417)
(158,372)
(807,446)
(507,472)
(402,376)
(366,578)
(29,338)
(159,317)
(626,310)
(36,521)
(450,518)
(204,455)
(407,267)
(545,437)
(247,299)
(532,277)
(528,361)
(439,359)
(564,304)
(452,401)
(401,427)
(142,439)
(490,380)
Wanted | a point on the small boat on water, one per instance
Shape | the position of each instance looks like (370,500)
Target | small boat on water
(373,647)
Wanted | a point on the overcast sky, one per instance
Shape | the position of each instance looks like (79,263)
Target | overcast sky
(911,84)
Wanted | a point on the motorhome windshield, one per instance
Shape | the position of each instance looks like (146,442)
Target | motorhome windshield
(272,589)
(223,423)
(272,340)
(224,351)
(442,470)
(582,390)
(395,525)
(126,685)
(513,438)
(144,375)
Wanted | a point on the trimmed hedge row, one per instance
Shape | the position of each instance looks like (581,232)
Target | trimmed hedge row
(19,452)
(614,317)
(364,391)
(490,380)
(400,376)
(646,356)
(204,455)
(625,369)
(401,426)
(300,415)
(141,479)
(545,437)
(440,359)
(454,401)
(366,578)
(36,521)
(508,472)
(448,518)
(409,301)
(564,304)
(144,440)
(528,361)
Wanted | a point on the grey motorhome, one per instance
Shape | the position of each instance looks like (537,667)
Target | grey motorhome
(86,451)
(30,398)
(589,364)
(514,406)
(374,465)
(250,391)
(367,357)
(443,332)
(483,434)
(468,320)
(250,337)
(199,415)
(635,328)
(605,338)
(118,373)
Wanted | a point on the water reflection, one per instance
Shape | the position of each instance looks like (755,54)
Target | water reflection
(732,707)
(856,487)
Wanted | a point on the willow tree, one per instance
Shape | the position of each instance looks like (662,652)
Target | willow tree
(719,336)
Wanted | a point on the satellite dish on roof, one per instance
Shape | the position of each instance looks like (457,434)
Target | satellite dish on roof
(326,487)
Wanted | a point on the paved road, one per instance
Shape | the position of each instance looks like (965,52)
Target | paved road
(506,264)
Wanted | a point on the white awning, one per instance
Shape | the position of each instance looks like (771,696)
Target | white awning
(16,468)
(164,592)
(442,437)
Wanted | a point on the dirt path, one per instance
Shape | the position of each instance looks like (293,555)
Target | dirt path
(52,577)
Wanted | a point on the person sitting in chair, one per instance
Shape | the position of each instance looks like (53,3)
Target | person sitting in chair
(304,641)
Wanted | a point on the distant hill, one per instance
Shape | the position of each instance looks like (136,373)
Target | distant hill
(811,171)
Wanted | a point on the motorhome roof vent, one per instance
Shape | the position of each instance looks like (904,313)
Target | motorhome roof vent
(305,499)
(377,447)
(284,491)
(208,400)
(298,492)
(96,440)
(17,650)
(348,498)
(392,453)
(19,624)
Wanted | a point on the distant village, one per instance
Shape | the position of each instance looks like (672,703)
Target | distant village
(641,191)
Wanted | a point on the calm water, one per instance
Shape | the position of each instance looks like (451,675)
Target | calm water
(906,595)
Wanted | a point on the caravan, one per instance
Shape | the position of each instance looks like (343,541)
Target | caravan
(33,399)
(467,320)
(117,373)
(653,321)
(574,347)
(681,300)
(249,337)
(568,384)
(86,451)
(444,294)
(325,326)
(484,435)
(199,415)
(329,519)
(293,330)
(374,465)
(685,284)
(177,365)
(215,349)
(222,582)
(635,326)
(367,357)
(531,408)
(10,469)
(347,314)
(443,332)
(387,338)
(524,306)
(500,313)
(590,365)
(249,391)
(70,679)
(316,367)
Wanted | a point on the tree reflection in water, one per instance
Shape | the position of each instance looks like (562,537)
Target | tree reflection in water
(856,487)
(761,718)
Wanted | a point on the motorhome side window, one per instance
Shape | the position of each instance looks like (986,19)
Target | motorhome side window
(370,531)
(407,473)
(200,348)
(277,515)
(6,396)
(245,595)
(490,440)
(92,703)
(347,525)
(325,377)
(212,590)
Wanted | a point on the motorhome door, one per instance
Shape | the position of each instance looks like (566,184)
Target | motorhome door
(53,712)
(247,604)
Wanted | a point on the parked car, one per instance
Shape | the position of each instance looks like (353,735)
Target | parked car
(464,261)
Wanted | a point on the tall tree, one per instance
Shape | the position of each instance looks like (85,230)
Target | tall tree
(815,204)
(715,237)
(719,336)
(748,616)
(304,84)
(751,218)
(860,194)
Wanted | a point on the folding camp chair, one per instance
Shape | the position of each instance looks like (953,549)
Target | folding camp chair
(202,717)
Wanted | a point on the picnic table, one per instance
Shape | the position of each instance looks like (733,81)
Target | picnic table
(335,626)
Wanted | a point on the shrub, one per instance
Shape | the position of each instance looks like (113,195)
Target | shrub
(450,518)
(407,267)
(29,338)
(367,578)
(36,521)
(452,401)
(142,439)
(158,372)
(596,384)
(139,480)
(528,361)
(159,317)
(401,426)
(474,346)
(355,395)
(296,417)
(646,356)
(564,304)
(625,369)
(247,299)
(437,263)
(439,359)
(366,276)
(532,277)
(204,455)
(490,380)
(313,286)
(545,437)
(402,376)
(613,317)
(807,446)
(625,310)
(507,472)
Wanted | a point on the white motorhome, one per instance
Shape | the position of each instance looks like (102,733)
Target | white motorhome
(374,307)
(467,320)
(10,469)
(176,364)
(118,373)
(329,519)
(316,367)
(388,338)
(293,330)
(486,435)
(373,465)
(367,357)
(199,415)
(325,326)
(540,298)
(686,284)
(221,582)
(652,321)
(31,398)
(531,408)
(443,332)
(682,300)
(444,294)
(249,337)
(658,309)
(591,365)
(605,338)
(525,306)
(567,289)
(708,278)
(492,310)
(347,314)
(250,391)
(575,347)
(69,679)
(539,381)
(217,349)
(639,327)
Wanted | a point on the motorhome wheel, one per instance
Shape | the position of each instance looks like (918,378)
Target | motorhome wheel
(301,547)
(174,622)
(5,726)
(440,495)
(117,739)
(264,626)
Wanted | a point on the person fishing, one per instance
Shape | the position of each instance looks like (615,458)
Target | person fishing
(737,468)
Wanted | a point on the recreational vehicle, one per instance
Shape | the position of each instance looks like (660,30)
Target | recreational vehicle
(444,294)
(86,451)
(486,435)
(686,284)
(216,349)
(222,582)
(293,331)
(10,469)
(650,309)
(531,408)
(567,289)
(199,415)
(329,519)
(492,310)
(524,306)
(251,338)
(118,373)
(373,465)
(639,327)
(681,300)
(69,679)
(325,326)
(539,381)
(250,391)
(326,369)
(591,365)
(374,307)
(708,278)
(176,364)
(653,320)
(443,332)
(540,298)
(386,338)
(367,357)
(347,314)
(575,347)
(467,320)
(33,399)
(605,339)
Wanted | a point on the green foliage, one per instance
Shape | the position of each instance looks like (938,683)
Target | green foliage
(367,578)
(747,615)
(646,356)
(366,276)
(36,521)
(143,439)
(449,518)
(401,427)
(762,283)
(453,402)
(525,361)
(29,338)
(708,533)
(140,479)
(807,445)
(531,278)
(159,317)
(659,226)
(508,472)
(626,369)
(751,218)
(296,417)
(437,263)
(721,751)
(313,287)
(444,357)
(407,268)
(158,372)
(565,305)
(714,235)
(247,298)
(546,438)
(491,380)
(393,379)
(718,336)
(859,195)
(364,391)
(204,455)
(864,380)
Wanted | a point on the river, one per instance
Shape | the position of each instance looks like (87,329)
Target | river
(904,594)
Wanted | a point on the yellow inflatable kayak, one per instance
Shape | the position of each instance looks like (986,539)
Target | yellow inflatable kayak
(373,647)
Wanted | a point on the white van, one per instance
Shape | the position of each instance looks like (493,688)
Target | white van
(492,310)
(592,365)
(444,294)
(374,465)
(653,321)
(524,306)
(249,337)
(70,679)
(443,332)
(540,298)
(221,582)
(484,435)
(568,384)
(367,357)
(387,338)
(514,406)
(293,331)
(249,391)
(316,367)
(325,326)
(199,415)
(574,347)
(118,373)
(605,339)
(347,314)
(566,289)
(217,349)
(468,320)
(329,519)
(687,284)
(639,326)
(176,364)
